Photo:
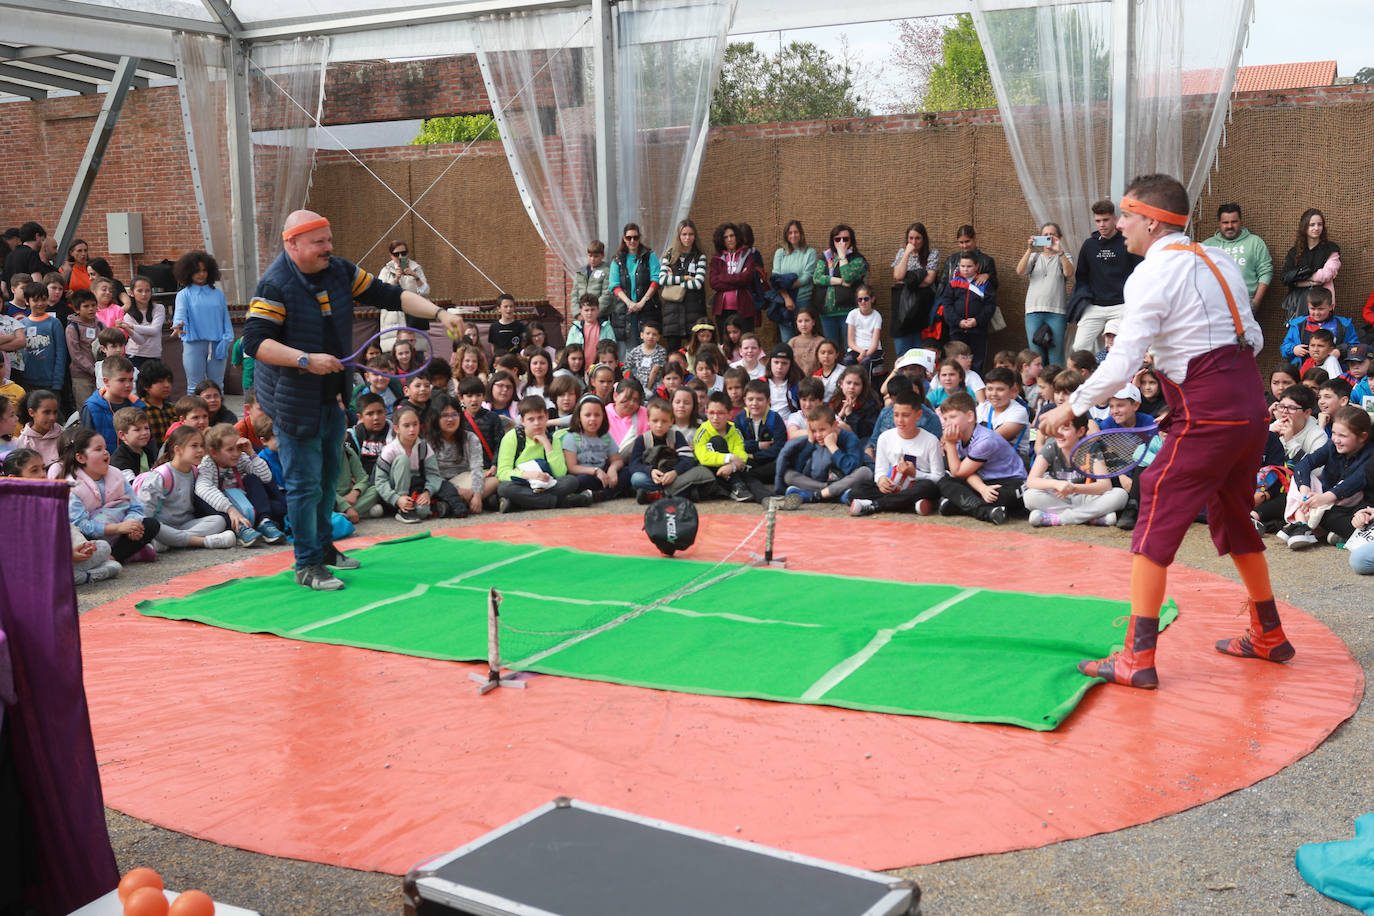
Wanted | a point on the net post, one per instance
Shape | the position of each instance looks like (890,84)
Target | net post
(494,678)
(770,515)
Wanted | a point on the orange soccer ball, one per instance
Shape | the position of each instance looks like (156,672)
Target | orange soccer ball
(146,901)
(192,903)
(136,878)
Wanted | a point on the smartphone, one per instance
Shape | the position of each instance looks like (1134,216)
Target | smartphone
(405,262)
(1039,241)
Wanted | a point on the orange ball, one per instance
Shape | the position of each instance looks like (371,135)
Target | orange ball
(138,877)
(192,903)
(146,901)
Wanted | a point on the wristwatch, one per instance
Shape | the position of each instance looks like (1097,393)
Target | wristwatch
(303,361)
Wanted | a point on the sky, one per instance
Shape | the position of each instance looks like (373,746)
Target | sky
(1281,33)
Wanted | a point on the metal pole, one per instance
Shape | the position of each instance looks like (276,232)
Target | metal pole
(1123,84)
(95,153)
(604,95)
(243,207)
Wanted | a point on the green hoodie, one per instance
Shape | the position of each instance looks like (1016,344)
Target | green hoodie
(1250,252)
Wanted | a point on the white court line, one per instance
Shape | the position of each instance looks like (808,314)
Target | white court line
(415,592)
(539,596)
(489,567)
(832,678)
(739,618)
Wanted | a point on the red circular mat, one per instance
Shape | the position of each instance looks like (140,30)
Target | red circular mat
(376,761)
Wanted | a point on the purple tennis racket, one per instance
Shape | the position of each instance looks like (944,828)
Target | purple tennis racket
(355,359)
(1112,452)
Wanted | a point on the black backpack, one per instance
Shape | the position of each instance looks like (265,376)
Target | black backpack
(671,523)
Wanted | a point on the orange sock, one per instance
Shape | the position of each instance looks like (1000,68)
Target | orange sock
(1148,580)
(1254,572)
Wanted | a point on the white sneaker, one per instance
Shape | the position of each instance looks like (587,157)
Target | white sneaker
(1104,521)
(859,507)
(376,511)
(110,569)
(1042,519)
(221,541)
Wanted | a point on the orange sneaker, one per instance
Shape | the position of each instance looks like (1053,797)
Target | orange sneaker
(1264,639)
(1133,665)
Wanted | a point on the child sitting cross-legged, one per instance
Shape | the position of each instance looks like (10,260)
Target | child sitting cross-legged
(418,391)
(661,461)
(102,504)
(589,452)
(826,466)
(1004,413)
(233,481)
(1339,491)
(533,473)
(407,473)
(135,453)
(1058,495)
(719,447)
(168,493)
(372,432)
(985,473)
(908,464)
(458,451)
(765,433)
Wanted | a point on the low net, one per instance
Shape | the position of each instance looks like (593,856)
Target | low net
(533,616)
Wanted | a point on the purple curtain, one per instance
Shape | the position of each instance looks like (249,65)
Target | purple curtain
(48,727)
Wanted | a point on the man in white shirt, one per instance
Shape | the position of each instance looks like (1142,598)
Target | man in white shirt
(1183,302)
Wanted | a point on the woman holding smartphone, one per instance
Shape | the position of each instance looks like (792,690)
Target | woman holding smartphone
(1048,268)
(409,275)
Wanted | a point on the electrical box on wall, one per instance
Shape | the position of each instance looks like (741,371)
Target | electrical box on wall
(124,232)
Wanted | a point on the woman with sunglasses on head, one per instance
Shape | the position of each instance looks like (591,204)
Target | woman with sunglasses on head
(408,275)
(634,287)
(839,270)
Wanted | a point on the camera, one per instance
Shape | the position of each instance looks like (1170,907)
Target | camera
(1042,241)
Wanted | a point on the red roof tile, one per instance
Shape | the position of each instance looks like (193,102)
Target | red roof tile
(1262,77)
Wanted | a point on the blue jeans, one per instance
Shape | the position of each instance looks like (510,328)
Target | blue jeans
(1362,560)
(310,467)
(1054,356)
(834,328)
(905,342)
(197,358)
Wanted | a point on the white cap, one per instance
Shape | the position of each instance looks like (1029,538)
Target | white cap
(1128,392)
(1113,326)
(917,356)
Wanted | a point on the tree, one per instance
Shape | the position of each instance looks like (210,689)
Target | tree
(456,129)
(960,79)
(1365,75)
(800,83)
(918,47)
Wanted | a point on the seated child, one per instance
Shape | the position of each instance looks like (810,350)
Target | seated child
(235,482)
(949,380)
(1320,316)
(827,465)
(1321,354)
(590,453)
(135,453)
(251,411)
(608,354)
(647,360)
(1357,374)
(810,392)
(864,327)
(985,473)
(828,366)
(501,398)
(1004,413)
(961,353)
(736,377)
(1029,366)
(111,342)
(908,464)
(783,376)
(209,391)
(99,410)
(388,389)
(1065,384)
(1054,500)
(489,429)
(191,410)
(749,357)
(154,387)
(1331,397)
(661,461)
(102,504)
(440,376)
(926,418)
(355,497)
(1123,407)
(719,447)
(90,559)
(1339,491)
(707,370)
(458,452)
(407,474)
(1152,403)
(42,431)
(764,433)
(588,329)
(533,473)
(265,432)
(418,391)
(564,391)
(168,493)
(372,432)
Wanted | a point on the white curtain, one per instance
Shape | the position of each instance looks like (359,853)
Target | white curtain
(668,59)
(539,77)
(537,68)
(286,98)
(202,80)
(1052,70)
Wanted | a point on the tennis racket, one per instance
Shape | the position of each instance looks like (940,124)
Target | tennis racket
(1112,452)
(355,359)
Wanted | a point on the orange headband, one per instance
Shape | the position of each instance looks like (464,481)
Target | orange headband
(302,228)
(1149,212)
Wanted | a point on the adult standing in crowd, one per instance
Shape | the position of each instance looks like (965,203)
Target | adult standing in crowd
(967,241)
(77,273)
(25,258)
(201,319)
(838,273)
(594,279)
(732,278)
(410,276)
(300,380)
(1104,263)
(634,284)
(916,267)
(794,257)
(682,283)
(1246,249)
(1048,269)
(1314,260)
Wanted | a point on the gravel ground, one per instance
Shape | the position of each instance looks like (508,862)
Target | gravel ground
(1233,855)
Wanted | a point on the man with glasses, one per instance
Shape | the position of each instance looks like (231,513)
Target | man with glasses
(410,276)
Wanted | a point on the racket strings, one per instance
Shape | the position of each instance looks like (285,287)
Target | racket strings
(1119,451)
